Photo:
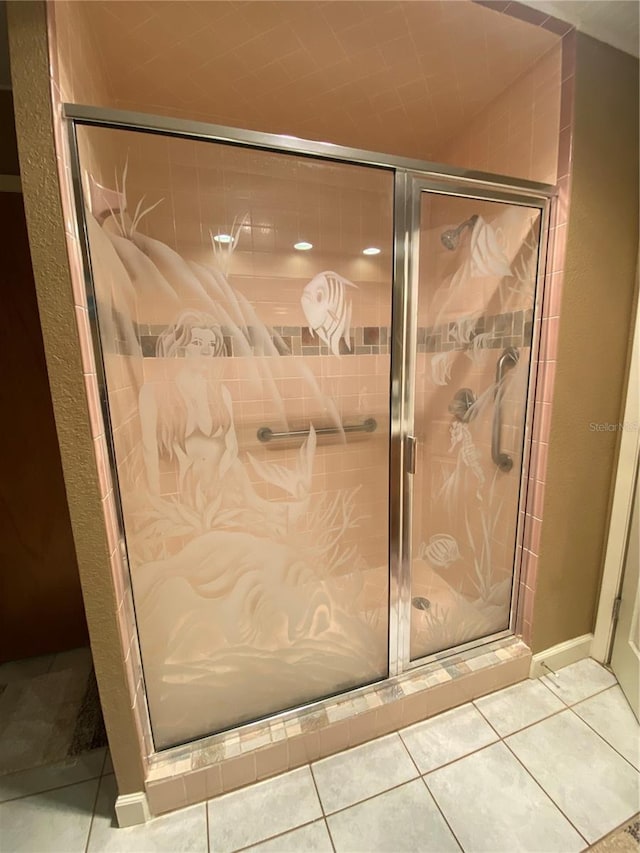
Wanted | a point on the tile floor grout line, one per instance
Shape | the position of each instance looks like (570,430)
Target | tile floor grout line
(277,835)
(93,814)
(49,790)
(437,805)
(584,698)
(546,793)
(317,790)
(570,707)
(603,738)
(206,822)
(593,695)
(430,793)
(371,797)
(322,809)
(454,760)
(523,728)
(331,841)
(490,724)
(400,784)
(502,739)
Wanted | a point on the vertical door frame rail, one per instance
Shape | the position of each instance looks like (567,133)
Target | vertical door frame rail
(411,178)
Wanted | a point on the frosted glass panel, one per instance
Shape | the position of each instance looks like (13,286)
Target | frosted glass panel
(476,287)
(248,390)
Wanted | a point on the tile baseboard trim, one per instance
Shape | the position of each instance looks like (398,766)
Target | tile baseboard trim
(132,809)
(555,657)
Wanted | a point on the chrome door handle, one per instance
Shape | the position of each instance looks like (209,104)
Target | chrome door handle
(508,360)
(410,454)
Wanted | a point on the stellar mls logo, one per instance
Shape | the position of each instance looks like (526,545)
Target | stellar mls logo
(622,426)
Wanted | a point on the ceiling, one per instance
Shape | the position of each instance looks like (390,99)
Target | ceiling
(401,77)
(612,21)
(615,22)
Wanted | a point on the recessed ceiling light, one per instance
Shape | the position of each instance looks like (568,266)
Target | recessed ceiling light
(372,250)
(223,238)
(303,246)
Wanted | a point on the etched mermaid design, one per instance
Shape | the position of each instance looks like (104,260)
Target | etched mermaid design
(190,420)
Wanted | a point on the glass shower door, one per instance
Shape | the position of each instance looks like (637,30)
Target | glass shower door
(475,272)
(244,340)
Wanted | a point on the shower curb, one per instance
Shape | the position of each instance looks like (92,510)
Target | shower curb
(196,772)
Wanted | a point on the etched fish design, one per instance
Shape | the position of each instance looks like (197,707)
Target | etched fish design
(441,368)
(487,255)
(440,551)
(327,308)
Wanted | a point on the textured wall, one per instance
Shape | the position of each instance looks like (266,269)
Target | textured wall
(597,302)
(30,73)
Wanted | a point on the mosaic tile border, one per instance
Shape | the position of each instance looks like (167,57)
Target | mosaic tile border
(511,329)
(288,340)
(501,330)
(219,748)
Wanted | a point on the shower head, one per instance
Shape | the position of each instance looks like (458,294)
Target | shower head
(451,238)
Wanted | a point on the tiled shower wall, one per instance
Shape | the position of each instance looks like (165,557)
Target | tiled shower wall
(550,323)
(75,77)
(518,133)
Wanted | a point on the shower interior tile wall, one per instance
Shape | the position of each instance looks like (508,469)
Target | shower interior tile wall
(382,79)
(517,134)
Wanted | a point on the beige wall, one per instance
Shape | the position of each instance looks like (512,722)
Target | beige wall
(30,75)
(597,302)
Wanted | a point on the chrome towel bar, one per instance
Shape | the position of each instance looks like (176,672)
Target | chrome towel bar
(266,434)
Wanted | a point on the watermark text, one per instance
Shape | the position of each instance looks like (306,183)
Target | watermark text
(621,426)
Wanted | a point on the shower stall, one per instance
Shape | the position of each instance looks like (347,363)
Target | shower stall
(317,368)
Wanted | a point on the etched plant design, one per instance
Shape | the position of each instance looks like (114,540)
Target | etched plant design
(128,223)
(223,251)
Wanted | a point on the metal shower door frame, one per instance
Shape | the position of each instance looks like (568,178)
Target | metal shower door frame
(417,183)
(411,177)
